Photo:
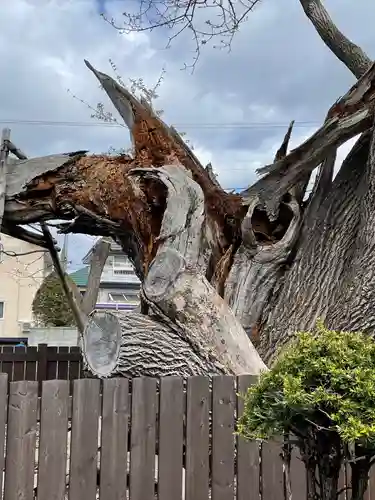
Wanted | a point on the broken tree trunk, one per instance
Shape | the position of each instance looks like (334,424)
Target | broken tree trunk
(220,272)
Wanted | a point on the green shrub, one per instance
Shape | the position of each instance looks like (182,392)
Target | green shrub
(324,379)
(50,306)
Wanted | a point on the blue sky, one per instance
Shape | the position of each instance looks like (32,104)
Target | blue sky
(234,108)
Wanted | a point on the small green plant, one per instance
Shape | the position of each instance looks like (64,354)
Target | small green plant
(321,390)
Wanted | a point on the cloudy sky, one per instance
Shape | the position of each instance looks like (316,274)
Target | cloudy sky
(234,108)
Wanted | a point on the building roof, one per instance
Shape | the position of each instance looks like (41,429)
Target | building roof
(80,277)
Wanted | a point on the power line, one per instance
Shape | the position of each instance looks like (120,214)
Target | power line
(223,125)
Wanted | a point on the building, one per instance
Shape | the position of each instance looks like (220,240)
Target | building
(22,269)
(119,285)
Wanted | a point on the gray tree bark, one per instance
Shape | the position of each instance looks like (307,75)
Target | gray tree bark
(226,279)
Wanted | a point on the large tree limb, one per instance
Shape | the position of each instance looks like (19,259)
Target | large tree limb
(346,51)
(176,285)
(319,268)
(351,115)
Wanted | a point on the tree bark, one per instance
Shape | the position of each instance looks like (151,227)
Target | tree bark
(346,51)
(216,266)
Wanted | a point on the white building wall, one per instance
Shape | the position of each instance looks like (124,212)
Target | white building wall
(20,278)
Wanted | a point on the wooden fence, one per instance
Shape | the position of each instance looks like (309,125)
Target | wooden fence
(40,363)
(164,439)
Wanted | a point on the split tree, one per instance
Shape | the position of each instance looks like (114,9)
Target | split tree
(227,279)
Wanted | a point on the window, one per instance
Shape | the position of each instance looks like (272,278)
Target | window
(123,271)
(117,297)
(1,310)
(123,298)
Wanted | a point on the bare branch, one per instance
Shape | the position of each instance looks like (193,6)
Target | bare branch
(206,20)
(348,52)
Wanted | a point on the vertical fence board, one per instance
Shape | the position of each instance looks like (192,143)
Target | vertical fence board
(171,416)
(53,440)
(3,421)
(143,439)
(30,370)
(84,449)
(272,471)
(342,484)
(51,363)
(370,493)
(74,367)
(19,366)
(114,439)
(7,366)
(298,476)
(223,449)
(197,439)
(42,364)
(63,366)
(247,452)
(21,440)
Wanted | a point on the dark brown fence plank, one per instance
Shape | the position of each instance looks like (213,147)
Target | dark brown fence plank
(272,471)
(19,366)
(53,440)
(247,452)
(114,441)
(7,366)
(63,366)
(143,439)
(171,426)
(75,363)
(223,440)
(30,370)
(3,421)
(197,439)
(21,440)
(42,363)
(51,362)
(298,476)
(84,449)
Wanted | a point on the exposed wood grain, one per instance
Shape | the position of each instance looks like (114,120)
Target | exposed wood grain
(114,439)
(22,172)
(197,438)
(3,422)
(247,451)
(21,441)
(223,439)
(142,442)
(272,471)
(84,448)
(53,440)
(171,423)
